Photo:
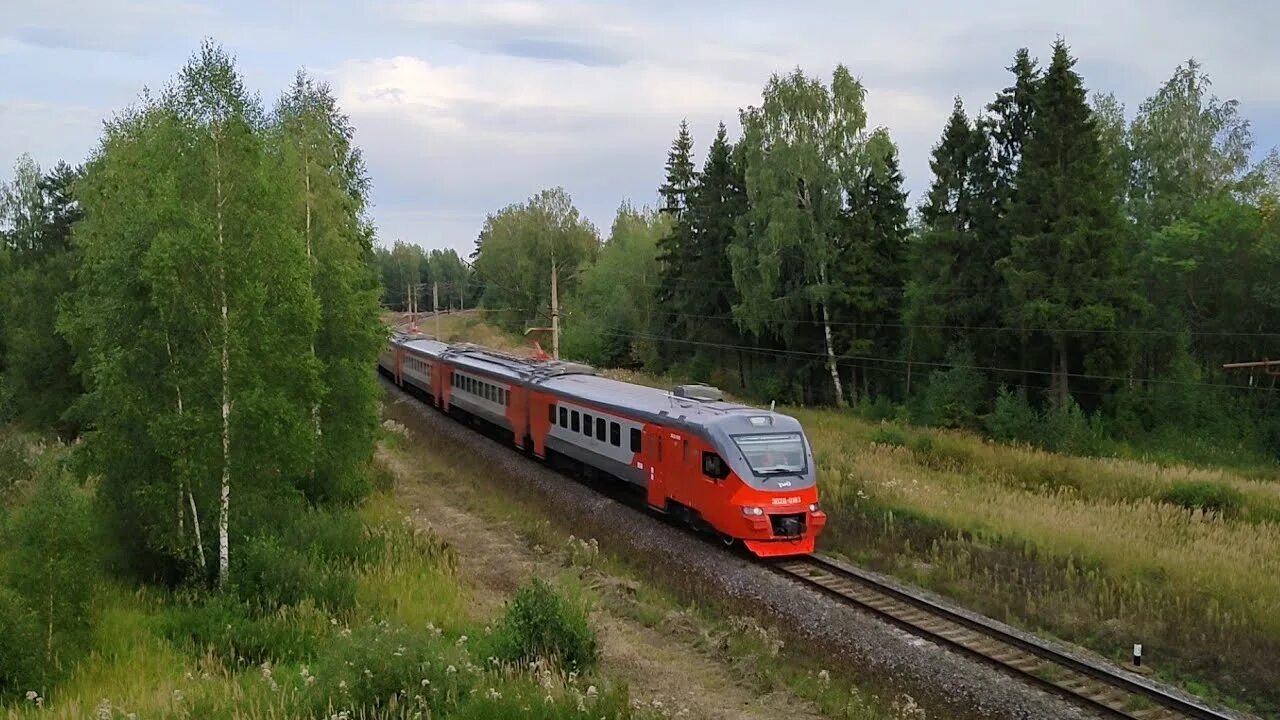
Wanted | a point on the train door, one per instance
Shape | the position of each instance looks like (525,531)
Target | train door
(654,462)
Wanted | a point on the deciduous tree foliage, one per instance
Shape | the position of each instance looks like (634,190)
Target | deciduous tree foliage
(198,323)
(607,318)
(804,148)
(517,248)
(326,180)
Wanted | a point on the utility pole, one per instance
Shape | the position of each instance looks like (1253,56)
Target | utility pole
(555,311)
(408,303)
(435,305)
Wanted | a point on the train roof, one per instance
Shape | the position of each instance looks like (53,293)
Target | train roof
(574,381)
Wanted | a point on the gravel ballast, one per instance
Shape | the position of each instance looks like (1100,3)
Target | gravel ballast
(945,683)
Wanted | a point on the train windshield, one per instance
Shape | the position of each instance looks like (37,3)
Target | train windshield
(773,454)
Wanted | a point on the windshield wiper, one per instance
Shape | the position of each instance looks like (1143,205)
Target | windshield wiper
(779,470)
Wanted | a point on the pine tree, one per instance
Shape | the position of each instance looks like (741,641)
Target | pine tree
(1065,270)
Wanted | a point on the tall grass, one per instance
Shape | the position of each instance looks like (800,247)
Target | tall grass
(1105,552)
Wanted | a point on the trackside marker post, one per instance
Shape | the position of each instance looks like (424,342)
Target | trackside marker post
(1137,655)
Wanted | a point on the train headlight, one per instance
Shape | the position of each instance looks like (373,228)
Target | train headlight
(813,507)
(752,511)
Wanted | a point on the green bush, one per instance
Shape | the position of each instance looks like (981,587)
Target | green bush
(540,623)
(889,435)
(877,410)
(272,575)
(1204,495)
(952,398)
(377,668)
(237,633)
(52,562)
(1013,419)
(22,662)
(332,536)
(1069,430)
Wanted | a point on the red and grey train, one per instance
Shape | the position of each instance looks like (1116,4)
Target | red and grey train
(746,473)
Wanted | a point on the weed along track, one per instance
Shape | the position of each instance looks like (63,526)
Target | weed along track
(1113,692)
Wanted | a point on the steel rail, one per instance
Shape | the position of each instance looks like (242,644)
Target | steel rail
(1112,691)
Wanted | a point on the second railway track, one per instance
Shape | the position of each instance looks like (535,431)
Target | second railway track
(1113,692)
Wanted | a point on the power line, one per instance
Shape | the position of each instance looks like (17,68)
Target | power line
(979,328)
(924,363)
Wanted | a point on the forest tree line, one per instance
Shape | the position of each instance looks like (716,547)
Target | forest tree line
(1071,277)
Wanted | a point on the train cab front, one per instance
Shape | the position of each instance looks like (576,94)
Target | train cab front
(775,510)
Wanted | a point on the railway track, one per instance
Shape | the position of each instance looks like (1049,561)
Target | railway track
(1113,692)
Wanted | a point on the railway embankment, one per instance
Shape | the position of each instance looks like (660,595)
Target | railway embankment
(887,662)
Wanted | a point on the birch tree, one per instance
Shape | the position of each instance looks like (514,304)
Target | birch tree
(327,190)
(196,320)
(803,148)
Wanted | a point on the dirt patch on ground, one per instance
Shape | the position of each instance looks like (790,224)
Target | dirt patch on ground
(661,671)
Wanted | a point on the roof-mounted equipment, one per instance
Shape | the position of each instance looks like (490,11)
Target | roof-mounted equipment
(698,391)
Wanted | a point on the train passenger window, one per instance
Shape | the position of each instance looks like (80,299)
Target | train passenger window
(503,396)
(564,418)
(586,424)
(713,466)
(635,439)
(615,434)
(551,414)
(574,419)
(600,429)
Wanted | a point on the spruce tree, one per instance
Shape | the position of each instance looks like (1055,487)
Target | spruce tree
(866,274)
(675,247)
(681,176)
(715,206)
(954,285)
(1065,269)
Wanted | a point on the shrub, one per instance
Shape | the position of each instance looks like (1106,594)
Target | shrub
(233,631)
(1068,429)
(53,564)
(1204,495)
(378,667)
(952,398)
(1013,419)
(22,664)
(331,535)
(272,575)
(877,410)
(539,623)
(889,435)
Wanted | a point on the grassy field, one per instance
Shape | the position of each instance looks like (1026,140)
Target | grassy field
(1102,552)
(371,620)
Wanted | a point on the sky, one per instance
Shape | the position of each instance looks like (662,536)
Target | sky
(464,107)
